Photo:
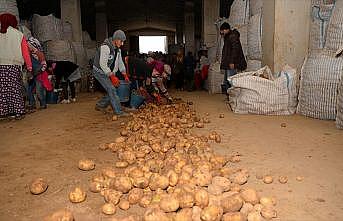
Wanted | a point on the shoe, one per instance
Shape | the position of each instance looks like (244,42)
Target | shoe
(124,114)
(43,107)
(73,100)
(64,101)
(101,109)
(19,116)
(130,109)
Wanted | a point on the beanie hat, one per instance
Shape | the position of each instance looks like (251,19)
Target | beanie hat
(119,35)
(224,26)
(33,42)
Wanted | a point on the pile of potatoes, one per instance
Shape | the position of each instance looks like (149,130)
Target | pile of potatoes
(174,174)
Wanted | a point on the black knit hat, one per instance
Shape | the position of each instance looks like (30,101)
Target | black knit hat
(224,26)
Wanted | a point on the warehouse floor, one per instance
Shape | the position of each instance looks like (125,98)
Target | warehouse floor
(50,143)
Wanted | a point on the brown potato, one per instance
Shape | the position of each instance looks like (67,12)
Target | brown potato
(145,201)
(135,195)
(186,200)
(124,133)
(268,213)
(141,182)
(95,187)
(155,214)
(109,209)
(267,201)
(184,215)
(169,204)
(215,189)
(158,182)
(202,178)
(196,213)
(38,186)
(211,213)
(60,215)
(255,216)
(201,198)
(124,205)
(123,184)
(120,140)
(232,203)
(109,172)
(250,196)
(112,196)
(283,179)
(237,216)
(222,182)
(77,195)
(86,165)
(239,177)
(173,178)
(268,179)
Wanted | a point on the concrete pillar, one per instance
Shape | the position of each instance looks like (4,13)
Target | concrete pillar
(179,33)
(189,27)
(101,26)
(286,31)
(71,12)
(210,15)
(101,23)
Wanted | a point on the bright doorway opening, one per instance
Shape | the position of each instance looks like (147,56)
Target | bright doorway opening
(152,43)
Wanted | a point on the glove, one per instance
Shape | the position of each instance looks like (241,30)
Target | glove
(126,77)
(115,81)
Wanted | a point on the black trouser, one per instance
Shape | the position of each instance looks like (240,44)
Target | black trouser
(179,79)
(65,89)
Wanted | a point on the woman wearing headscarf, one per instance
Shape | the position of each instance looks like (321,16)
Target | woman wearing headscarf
(13,54)
(39,80)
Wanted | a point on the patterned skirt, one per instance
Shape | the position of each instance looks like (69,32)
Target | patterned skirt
(11,91)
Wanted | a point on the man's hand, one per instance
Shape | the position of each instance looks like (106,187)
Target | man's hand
(126,77)
(115,81)
(232,66)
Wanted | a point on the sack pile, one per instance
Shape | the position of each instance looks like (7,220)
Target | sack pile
(47,28)
(59,50)
(215,78)
(9,6)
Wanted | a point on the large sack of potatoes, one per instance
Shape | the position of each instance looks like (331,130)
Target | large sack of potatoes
(239,13)
(67,31)
(47,28)
(334,37)
(320,77)
(9,6)
(215,78)
(80,54)
(261,92)
(59,51)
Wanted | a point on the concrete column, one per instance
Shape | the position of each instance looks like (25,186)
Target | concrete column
(71,12)
(210,15)
(286,31)
(179,33)
(101,26)
(189,27)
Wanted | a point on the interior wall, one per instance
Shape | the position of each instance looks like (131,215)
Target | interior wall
(268,20)
(210,15)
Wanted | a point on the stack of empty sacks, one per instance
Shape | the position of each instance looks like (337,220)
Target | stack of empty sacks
(9,6)
(265,93)
(322,71)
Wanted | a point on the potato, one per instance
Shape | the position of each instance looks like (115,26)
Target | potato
(184,215)
(299,178)
(221,115)
(169,204)
(158,182)
(232,204)
(122,184)
(226,172)
(258,208)
(215,189)
(109,172)
(211,213)
(283,179)
(135,195)
(201,198)
(196,213)
(218,138)
(124,205)
(95,187)
(250,196)
(206,120)
(239,177)
(247,208)
(199,125)
(222,182)
(202,178)
(156,147)
(268,212)
(120,140)
(141,182)
(268,179)
(136,173)
(86,165)
(235,187)
(173,178)
(112,196)
(235,158)
(186,200)
(267,201)
(155,214)
(145,201)
(121,164)
(237,216)
(38,186)
(124,133)
(255,216)
(109,209)
(77,195)
(60,215)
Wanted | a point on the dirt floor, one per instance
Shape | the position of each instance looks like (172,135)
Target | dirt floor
(50,143)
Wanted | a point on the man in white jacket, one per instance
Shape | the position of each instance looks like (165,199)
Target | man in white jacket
(107,64)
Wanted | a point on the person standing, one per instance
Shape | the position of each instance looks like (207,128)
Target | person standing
(107,64)
(179,70)
(189,71)
(14,53)
(66,73)
(233,58)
